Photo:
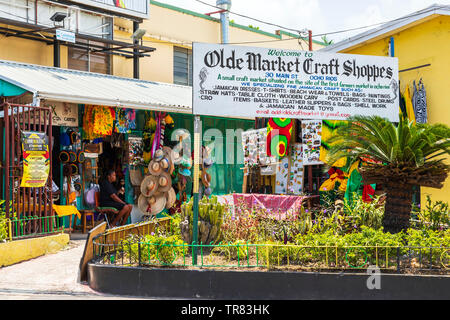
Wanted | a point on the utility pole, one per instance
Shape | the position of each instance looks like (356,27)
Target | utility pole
(135,52)
(224,18)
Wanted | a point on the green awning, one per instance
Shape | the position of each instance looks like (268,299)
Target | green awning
(10,90)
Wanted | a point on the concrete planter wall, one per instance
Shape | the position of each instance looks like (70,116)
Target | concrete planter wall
(266,285)
(21,250)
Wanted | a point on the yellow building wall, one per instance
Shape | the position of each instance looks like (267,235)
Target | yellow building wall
(169,26)
(426,43)
(30,51)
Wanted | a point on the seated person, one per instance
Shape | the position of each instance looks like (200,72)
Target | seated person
(109,198)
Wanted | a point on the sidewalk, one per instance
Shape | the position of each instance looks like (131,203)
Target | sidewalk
(53,276)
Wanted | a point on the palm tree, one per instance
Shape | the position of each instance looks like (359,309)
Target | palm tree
(398,157)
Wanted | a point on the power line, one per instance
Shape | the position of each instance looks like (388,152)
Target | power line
(251,18)
(300,38)
(314,35)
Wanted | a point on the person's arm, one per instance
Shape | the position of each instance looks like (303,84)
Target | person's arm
(116,198)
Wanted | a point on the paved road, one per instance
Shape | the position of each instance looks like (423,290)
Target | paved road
(53,276)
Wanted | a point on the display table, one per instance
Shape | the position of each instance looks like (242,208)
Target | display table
(278,206)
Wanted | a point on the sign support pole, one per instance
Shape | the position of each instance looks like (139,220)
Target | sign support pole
(197,141)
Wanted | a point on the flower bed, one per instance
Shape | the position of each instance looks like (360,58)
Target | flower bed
(329,238)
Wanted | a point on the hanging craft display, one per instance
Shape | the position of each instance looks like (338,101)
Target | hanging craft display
(254,147)
(295,185)
(311,141)
(281,178)
(148,136)
(329,129)
(103,120)
(419,101)
(36,159)
(156,188)
(125,120)
(279,131)
(135,151)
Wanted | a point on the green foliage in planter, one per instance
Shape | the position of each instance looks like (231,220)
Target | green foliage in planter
(158,248)
(210,219)
(435,215)
(3,222)
(363,213)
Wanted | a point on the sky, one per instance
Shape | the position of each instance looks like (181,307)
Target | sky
(320,16)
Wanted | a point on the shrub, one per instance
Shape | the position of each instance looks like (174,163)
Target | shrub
(3,223)
(158,248)
(435,215)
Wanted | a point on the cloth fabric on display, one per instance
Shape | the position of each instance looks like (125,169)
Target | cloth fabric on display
(125,120)
(409,105)
(419,101)
(355,183)
(103,120)
(279,131)
(276,206)
(368,192)
(281,179)
(254,148)
(402,104)
(336,176)
(88,123)
(329,128)
(148,135)
(295,185)
(311,140)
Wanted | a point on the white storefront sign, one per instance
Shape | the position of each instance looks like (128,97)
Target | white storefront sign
(240,81)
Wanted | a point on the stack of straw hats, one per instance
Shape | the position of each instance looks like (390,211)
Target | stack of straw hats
(157,193)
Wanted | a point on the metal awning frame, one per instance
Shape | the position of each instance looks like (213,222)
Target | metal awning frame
(116,47)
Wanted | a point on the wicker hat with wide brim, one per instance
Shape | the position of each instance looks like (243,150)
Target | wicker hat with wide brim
(152,205)
(206,178)
(136,177)
(155,168)
(164,182)
(171,198)
(168,161)
(149,185)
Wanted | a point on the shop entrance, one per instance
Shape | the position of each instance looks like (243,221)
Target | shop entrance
(32,205)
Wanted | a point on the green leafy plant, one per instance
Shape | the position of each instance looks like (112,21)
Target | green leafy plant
(400,157)
(210,219)
(155,248)
(3,222)
(363,213)
(435,215)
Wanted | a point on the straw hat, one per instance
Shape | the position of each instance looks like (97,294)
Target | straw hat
(171,198)
(169,155)
(177,157)
(159,154)
(208,191)
(207,163)
(185,172)
(164,182)
(206,178)
(149,186)
(167,165)
(154,167)
(136,177)
(152,205)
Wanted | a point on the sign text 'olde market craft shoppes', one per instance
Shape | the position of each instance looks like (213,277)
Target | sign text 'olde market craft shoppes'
(259,82)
